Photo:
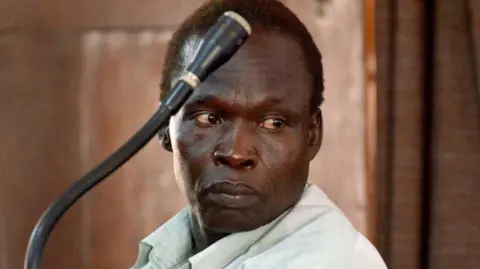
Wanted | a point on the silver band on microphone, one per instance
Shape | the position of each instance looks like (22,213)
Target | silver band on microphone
(191,79)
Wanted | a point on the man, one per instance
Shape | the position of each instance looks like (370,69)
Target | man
(242,145)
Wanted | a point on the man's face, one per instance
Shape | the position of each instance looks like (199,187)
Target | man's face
(243,141)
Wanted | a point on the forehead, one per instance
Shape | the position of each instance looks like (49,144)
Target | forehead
(268,65)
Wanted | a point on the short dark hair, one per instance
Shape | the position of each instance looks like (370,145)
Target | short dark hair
(268,15)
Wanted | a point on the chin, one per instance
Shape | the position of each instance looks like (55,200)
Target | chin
(230,220)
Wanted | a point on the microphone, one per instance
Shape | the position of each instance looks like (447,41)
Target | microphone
(218,45)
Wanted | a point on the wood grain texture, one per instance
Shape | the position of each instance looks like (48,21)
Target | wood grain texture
(119,92)
(90,14)
(68,103)
(371,107)
(340,169)
(39,150)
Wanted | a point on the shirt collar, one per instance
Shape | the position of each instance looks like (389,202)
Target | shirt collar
(170,246)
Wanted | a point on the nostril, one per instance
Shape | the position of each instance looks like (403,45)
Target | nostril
(223,161)
(234,161)
(248,164)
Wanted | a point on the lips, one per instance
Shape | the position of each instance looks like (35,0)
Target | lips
(231,195)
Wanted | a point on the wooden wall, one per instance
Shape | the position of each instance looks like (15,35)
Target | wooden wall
(77,78)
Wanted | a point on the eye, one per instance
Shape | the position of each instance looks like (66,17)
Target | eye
(207,118)
(273,124)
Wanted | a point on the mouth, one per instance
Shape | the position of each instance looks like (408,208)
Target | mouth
(231,195)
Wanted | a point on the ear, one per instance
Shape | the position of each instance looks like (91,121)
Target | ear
(315,134)
(164,136)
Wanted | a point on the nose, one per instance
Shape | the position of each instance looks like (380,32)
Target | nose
(236,150)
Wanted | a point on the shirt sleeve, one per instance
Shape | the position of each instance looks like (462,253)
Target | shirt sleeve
(365,256)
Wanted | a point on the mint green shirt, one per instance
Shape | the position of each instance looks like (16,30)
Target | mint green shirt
(313,234)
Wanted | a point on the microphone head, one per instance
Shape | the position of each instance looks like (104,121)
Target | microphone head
(240,20)
(218,45)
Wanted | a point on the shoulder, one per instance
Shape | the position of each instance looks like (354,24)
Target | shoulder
(315,234)
(332,236)
(365,256)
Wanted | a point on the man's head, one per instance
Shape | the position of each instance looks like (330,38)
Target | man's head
(243,142)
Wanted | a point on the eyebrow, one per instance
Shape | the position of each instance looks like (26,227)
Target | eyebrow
(202,99)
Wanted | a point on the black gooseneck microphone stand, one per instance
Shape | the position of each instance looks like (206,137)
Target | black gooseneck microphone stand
(219,44)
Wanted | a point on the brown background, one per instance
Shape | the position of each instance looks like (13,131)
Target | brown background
(78,78)
(428,151)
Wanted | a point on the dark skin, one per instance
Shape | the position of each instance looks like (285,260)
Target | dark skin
(243,142)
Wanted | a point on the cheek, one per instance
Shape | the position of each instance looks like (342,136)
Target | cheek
(286,163)
(283,155)
(191,150)
(287,167)
(191,144)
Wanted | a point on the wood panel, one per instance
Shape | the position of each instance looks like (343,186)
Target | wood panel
(67,103)
(39,149)
(340,166)
(370,119)
(119,92)
(64,15)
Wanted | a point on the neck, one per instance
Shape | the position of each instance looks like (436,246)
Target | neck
(202,237)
